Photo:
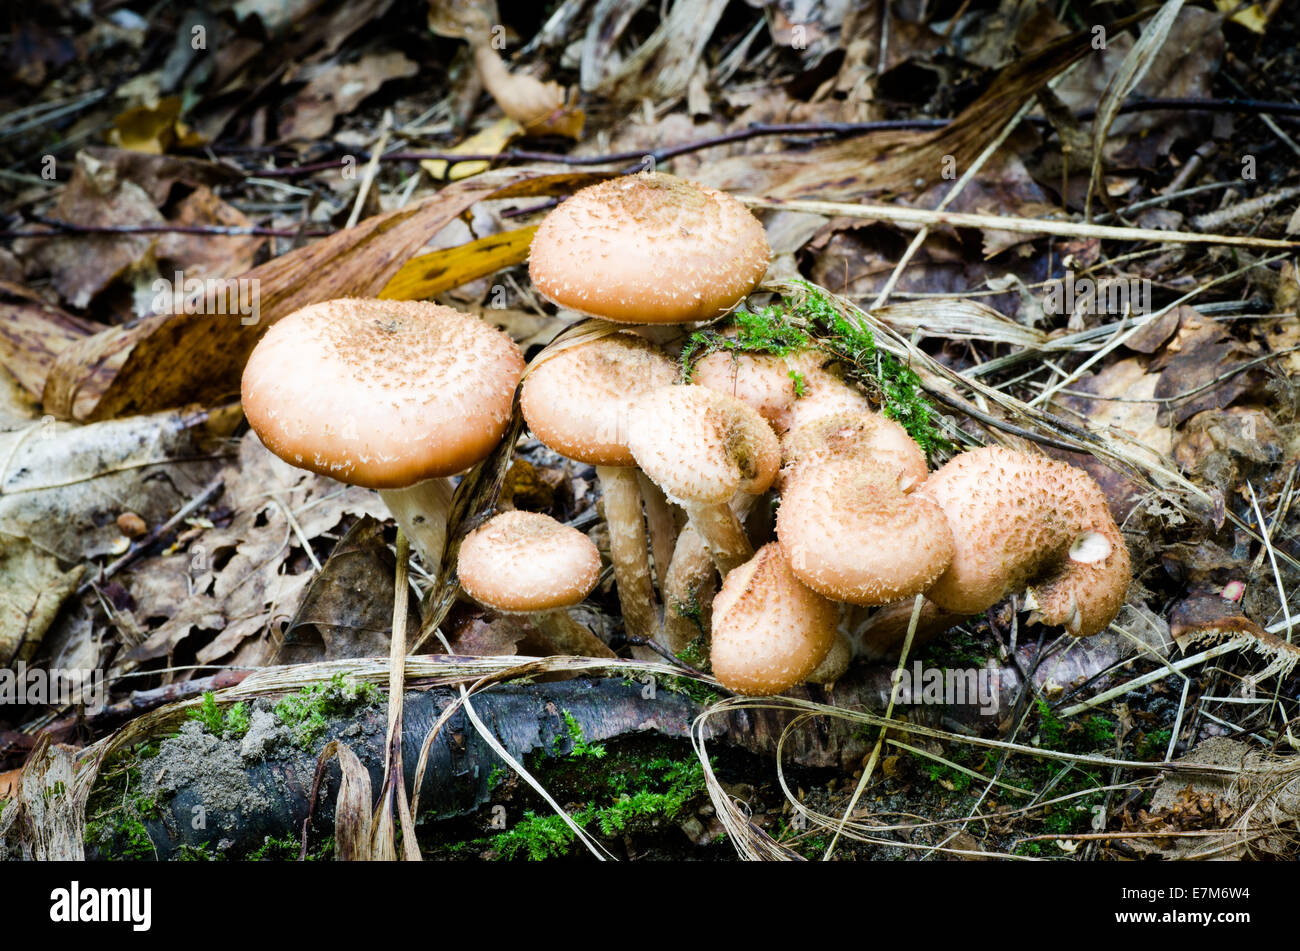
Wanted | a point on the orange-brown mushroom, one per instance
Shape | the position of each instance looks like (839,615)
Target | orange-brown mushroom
(704,449)
(1019,519)
(770,631)
(391,395)
(528,563)
(649,248)
(576,401)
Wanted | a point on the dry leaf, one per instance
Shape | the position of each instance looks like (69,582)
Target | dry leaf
(32,588)
(153,128)
(438,271)
(337,90)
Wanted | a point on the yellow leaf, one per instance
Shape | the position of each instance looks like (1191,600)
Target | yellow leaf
(1252,17)
(489,141)
(153,129)
(430,274)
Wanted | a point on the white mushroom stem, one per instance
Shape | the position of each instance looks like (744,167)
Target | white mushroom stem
(628,549)
(722,533)
(662,521)
(567,636)
(421,511)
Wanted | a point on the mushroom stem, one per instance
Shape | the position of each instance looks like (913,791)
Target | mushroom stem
(421,512)
(722,533)
(663,527)
(687,586)
(628,549)
(567,636)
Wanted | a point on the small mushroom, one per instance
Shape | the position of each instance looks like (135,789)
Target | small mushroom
(1018,518)
(649,249)
(859,434)
(770,631)
(527,563)
(767,382)
(390,395)
(575,400)
(852,532)
(703,449)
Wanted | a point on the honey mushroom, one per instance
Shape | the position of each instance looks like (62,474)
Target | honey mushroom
(389,395)
(527,563)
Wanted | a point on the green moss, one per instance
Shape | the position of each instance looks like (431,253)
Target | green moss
(1154,745)
(535,838)
(117,810)
(628,792)
(196,853)
(578,746)
(307,712)
(1080,736)
(233,723)
(814,320)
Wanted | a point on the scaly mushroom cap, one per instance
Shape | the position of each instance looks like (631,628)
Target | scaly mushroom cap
(649,249)
(527,562)
(576,399)
(769,630)
(764,381)
(858,435)
(852,534)
(1016,517)
(381,393)
(702,446)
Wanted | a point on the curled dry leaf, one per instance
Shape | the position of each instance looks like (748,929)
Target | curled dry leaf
(540,107)
(32,588)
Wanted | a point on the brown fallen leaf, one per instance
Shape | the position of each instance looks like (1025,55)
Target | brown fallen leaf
(337,90)
(207,256)
(1196,367)
(240,583)
(81,266)
(348,610)
(32,589)
(33,333)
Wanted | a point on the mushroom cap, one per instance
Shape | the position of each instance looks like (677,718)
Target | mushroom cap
(702,446)
(1018,517)
(576,399)
(649,249)
(852,534)
(381,393)
(860,435)
(527,562)
(764,381)
(770,631)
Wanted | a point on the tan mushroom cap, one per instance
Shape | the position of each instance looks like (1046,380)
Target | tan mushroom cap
(852,534)
(770,631)
(701,446)
(764,382)
(649,248)
(1018,517)
(525,562)
(380,393)
(859,435)
(576,399)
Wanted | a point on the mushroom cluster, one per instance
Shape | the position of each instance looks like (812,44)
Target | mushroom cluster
(399,395)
